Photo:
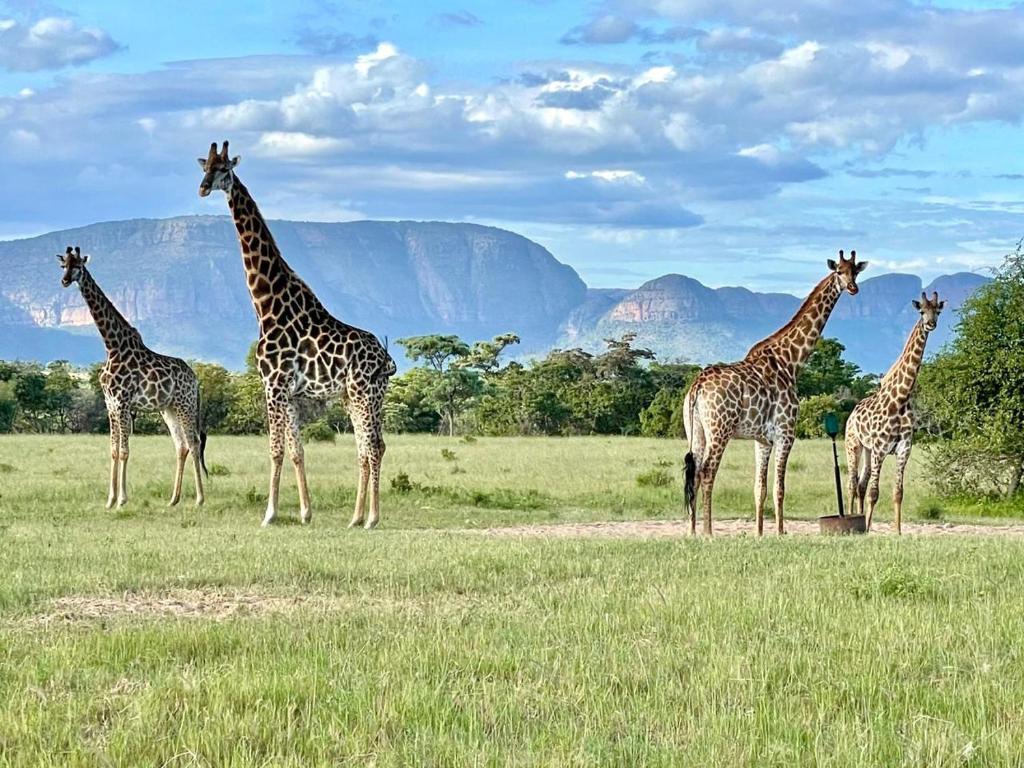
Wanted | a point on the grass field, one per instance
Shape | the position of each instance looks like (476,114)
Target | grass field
(148,636)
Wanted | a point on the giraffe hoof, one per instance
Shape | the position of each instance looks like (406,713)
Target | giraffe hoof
(110,503)
(122,502)
(173,502)
(355,523)
(305,518)
(370,525)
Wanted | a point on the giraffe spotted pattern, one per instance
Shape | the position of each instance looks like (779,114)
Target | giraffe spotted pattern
(756,398)
(303,351)
(883,423)
(135,377)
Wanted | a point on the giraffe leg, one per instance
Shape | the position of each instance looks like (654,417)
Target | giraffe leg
(376,459)
(876,472)
(115,448)
(902,456)
(762,457)
(125,419)
(862,479)
(276,425)
(712,460)
(298,456)
(191,438)
(180,452)
(782,448)
(853,458)
(359,515)
(695,433)
(359,412)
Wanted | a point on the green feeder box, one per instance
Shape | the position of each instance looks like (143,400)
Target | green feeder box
(831,425)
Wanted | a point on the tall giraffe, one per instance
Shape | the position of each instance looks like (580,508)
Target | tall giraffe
(883,423)
(303,352)
(135,376)
(756,398)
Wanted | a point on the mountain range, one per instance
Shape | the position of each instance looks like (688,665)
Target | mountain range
(180,281)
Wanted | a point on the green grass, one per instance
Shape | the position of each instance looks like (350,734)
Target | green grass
(420,644)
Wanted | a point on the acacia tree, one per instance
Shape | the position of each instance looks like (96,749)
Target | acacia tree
(455,370)
(972,392)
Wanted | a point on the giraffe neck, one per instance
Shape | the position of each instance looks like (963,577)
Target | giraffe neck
(267,274)
(900,378)
(793,343)
(117,332)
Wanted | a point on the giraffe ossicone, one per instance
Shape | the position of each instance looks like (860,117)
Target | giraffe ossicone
(756,398)
(135,377)
(303,351)
(883,422)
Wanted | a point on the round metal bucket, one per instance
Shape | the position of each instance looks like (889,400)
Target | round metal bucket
(834,524)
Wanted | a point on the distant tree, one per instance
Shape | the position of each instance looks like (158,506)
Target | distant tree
(972,392)
(8,406)
(217,392)
(455,371)
(826,371)
(247,414)
(33,400)
(61,386)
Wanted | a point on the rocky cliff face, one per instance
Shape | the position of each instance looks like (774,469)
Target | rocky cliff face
(681,318)
(181,282)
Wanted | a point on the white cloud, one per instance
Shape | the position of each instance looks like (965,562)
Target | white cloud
(51,43)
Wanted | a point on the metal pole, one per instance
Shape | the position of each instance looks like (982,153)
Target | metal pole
(839,482)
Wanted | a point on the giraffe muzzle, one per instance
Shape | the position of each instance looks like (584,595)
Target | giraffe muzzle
(204,191)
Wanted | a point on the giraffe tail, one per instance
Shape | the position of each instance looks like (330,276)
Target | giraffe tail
(202,432)
(389,368)
(690,486)
(202,453)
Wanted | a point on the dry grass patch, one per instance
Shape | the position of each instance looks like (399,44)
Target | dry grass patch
(210,604)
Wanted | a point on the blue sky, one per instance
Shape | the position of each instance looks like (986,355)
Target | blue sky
(734,141)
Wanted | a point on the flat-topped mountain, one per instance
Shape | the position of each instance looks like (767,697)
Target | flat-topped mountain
(181,282)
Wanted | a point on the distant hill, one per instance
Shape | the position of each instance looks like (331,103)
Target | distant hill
(180,281)
(679,317)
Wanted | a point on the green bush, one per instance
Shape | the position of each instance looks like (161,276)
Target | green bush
(318,432)
(654,478)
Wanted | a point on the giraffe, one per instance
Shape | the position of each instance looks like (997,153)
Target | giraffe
(756,398)
(303,351)
(133,377)
(883,423)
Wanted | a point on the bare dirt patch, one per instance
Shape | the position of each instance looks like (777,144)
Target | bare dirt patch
(647,529)
(216,605)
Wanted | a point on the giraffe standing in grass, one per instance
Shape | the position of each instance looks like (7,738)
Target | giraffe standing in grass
(303,352)
(135,376)
(756,398)
(883,423)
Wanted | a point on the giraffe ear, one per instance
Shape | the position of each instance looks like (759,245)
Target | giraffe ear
(941,305)
(832,265)
(235,160)
(60,258)
(861,266)
(202,162)
(917,304)
(85,260)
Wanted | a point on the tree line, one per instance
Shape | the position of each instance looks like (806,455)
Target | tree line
(456,388)
(970,398)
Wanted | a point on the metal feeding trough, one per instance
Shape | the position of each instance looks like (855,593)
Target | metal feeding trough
(841,523)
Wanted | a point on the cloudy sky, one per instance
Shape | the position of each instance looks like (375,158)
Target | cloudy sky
(739,142)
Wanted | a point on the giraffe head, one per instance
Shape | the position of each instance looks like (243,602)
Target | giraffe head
(929,309)
(846,271)
(73,263)
(218,169)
